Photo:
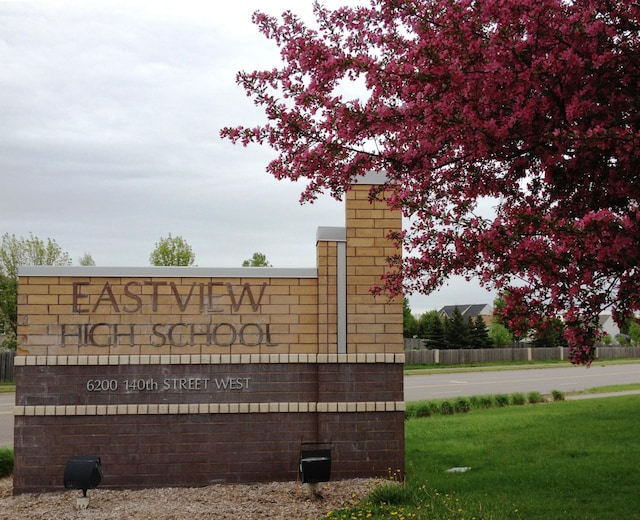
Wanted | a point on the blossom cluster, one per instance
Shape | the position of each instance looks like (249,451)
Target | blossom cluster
(508,129)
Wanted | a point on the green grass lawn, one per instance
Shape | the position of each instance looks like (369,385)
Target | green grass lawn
(561,460)
(7,387)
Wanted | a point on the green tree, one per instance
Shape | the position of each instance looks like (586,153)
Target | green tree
(8,311)
(479,333)
(623,339)
(456,331)
(410,324)
(634,332)
(86,260)
(500,335)
(172,251)
(16,252)
(431,329)
(257,260)
(499,310)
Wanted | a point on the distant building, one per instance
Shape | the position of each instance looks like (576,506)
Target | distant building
(483,310)
(609,327)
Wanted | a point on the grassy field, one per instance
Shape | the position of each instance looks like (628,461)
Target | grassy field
(7,387)
(560,460)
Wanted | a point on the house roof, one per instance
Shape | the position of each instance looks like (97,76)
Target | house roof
(468,310)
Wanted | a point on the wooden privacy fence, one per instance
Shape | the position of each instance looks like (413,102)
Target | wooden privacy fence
(495,355)
(6,366)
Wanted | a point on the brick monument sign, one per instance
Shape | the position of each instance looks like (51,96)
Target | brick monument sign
(190,376)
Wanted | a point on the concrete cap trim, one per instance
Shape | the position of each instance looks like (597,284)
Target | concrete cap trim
(209,408)
(331,234)
(203,359)
(372,177)
(176,272)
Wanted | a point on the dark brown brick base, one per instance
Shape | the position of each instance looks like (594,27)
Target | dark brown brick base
(157,450)
(196,450)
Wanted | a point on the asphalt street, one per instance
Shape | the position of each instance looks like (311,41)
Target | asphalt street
(467,384)
(7,402)
(459,384)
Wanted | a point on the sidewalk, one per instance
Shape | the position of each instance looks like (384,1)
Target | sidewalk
(576,397)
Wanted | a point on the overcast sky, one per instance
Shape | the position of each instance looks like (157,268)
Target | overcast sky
(109,136)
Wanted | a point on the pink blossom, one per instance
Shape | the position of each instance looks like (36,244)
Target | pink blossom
(533,104)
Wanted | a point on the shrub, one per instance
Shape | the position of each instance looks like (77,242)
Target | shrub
(409,412)
(461,405)
(6,461)
(518,399)
(535,397)
(557,395)
(446,408)
(487,401)
(502,400)
(425,409)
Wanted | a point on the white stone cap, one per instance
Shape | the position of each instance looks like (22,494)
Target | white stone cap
(372,177)
(181,272)
(331,234)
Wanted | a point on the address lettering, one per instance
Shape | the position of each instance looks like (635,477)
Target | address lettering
(167,384)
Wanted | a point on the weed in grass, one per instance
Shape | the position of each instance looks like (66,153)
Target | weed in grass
(6,461)
(557,395)
(535,397)
(391,493)
(404,501)
(518,399)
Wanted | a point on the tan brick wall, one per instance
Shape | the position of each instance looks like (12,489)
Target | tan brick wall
(181,315)
(62,315)
(374,323)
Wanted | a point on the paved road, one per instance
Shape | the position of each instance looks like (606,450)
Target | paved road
(7,402)
(436,386)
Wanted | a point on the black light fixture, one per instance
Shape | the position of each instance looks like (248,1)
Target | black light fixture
(83,473)
(315,462)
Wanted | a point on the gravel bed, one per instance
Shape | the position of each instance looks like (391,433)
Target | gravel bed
(276,500)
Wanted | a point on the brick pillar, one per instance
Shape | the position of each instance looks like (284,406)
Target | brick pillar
(326,249)
(374,324)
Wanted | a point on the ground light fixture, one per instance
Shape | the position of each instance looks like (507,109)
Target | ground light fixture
(315,464)
(84,472)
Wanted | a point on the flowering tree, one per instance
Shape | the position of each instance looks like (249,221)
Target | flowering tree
(529,108)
